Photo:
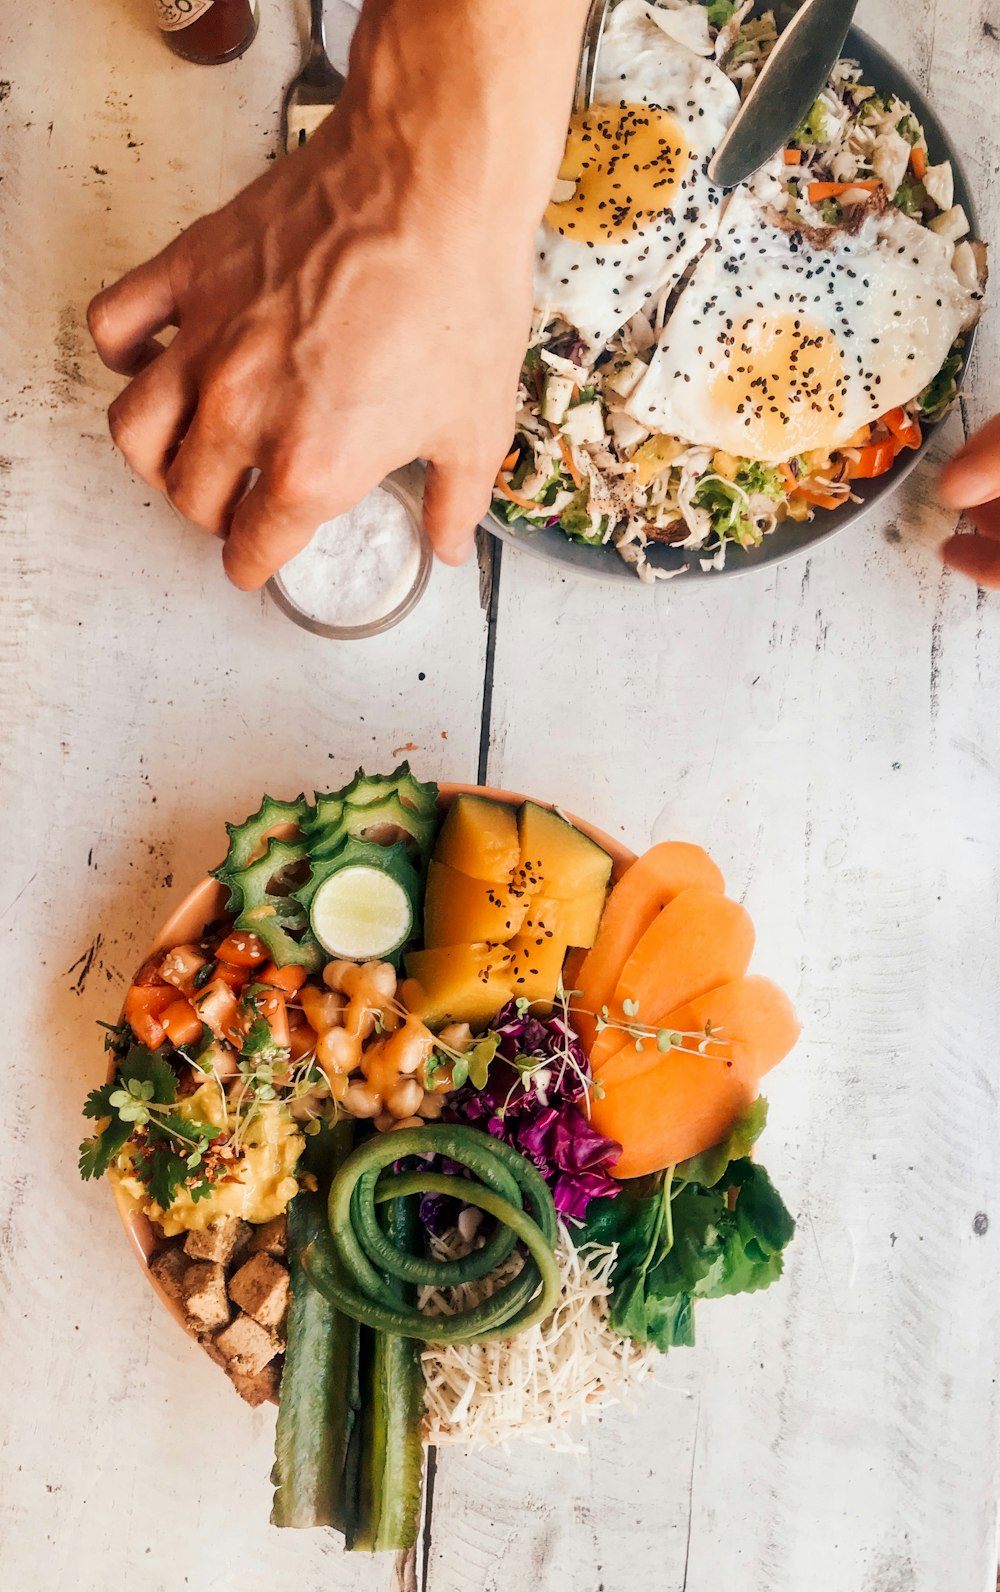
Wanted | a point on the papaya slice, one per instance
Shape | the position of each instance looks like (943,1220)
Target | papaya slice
(699,941)
(645,888)
(664,1107)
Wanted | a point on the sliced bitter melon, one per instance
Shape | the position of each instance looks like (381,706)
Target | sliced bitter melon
(265,906)
(364,789)
(382,821)
(246,840)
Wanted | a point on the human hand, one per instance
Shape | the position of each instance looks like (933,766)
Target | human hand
(971,481)
(364,303)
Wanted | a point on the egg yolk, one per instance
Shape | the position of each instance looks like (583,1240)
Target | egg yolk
(628,162)
(783,379)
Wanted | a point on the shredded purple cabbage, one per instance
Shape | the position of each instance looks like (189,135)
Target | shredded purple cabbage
(543,1120)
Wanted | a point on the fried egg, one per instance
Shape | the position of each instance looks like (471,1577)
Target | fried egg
(633,205)
(777,347)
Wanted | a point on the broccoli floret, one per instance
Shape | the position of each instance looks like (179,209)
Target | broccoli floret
(575,520)
(910,197)
(831,212)
(719,12)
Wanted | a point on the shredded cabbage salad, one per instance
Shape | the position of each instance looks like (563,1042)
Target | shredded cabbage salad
(581,463)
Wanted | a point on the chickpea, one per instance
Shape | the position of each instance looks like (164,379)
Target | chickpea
(431,1106)
(334,975)
(406,1098)
(338,1051)
(407,1122)
(339,1083)
(324,1009)
(457,1036)
(360,1100)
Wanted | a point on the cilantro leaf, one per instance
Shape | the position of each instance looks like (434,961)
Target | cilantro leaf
(163,1174)
(142,1076)
(147,1066)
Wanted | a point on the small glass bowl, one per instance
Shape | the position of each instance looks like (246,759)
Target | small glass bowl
(374,627)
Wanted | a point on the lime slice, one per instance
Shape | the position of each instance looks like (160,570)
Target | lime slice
(360,913)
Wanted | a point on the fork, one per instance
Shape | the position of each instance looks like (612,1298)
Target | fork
(586,75)
(311,96)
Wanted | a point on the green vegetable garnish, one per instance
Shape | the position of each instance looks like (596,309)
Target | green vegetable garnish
(814,128)
(910,196)
(939,394)
(719,12)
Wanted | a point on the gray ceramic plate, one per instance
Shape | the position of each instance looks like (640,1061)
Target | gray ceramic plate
(605,564)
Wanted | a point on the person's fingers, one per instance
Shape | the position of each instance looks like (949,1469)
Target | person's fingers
(208,476)
(456,496)
(123,318)
(150,416)
(976,556)
(973,475)
(267,530)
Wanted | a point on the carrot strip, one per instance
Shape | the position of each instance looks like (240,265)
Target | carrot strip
(904,427)
(789,477)
(516,497)
(818,191)
(793,157)
(873,460)
(511,460)
(818,499)
(918,160)
(567,457)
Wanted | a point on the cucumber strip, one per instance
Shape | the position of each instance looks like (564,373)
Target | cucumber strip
(320,1393)
(396,1458)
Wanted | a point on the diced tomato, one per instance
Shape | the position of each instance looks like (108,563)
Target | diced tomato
(181,1023)
(874,459)
(904,427)
(274,1012)
(301,1036)
(217,1007)
(149,973)
(242,949)
(288,979)
(179,967)
(236,977)
(144,1006)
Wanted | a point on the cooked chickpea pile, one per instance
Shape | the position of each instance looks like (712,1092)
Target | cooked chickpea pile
(371,1052)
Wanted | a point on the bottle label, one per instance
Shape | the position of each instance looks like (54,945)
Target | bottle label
(172,15)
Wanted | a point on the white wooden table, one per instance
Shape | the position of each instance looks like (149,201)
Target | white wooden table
(829,730)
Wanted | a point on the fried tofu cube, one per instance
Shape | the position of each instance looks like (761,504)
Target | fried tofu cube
(271,1238)
(246,1346)
(204,1295)
(168,1267)
(260,1388)
(216,1241)
(261,1287)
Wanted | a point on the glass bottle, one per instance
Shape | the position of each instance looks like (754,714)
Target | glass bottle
(207,31)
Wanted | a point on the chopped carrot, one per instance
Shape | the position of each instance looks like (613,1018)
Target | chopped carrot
(873,459)
(665,1106)
(793,157)
(904,427)
(275,1013)
(698,941)
(818,191)
(789,477)
(242,949)
(511,460)
(645,888)
(181,1023)
(517,497)
(149,972)
(288,979)
(568,461)
(918,160)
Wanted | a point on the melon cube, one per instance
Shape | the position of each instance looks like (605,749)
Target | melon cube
(459,984)
(459,910)
(537,969)
(557,859)
(573,922)
(479,837)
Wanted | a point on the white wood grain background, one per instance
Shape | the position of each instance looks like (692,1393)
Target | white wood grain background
(829,731)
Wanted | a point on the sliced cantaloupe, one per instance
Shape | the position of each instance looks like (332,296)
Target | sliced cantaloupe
(479,837)
(556,859)
(459,910)
(645,888)
(572,922)
(664,1107)
(697,942)
(537,969)
(459,983)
